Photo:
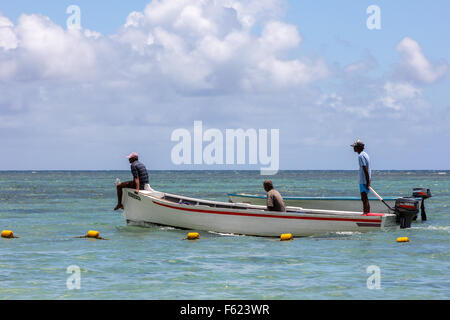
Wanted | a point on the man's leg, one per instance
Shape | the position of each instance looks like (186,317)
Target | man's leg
(127,184)
(365,201)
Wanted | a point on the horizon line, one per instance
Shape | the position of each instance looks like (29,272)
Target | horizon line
(56,170)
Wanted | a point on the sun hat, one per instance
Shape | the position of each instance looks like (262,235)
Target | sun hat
(133,155)
(357,143)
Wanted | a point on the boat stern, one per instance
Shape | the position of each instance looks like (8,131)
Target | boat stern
(389,220)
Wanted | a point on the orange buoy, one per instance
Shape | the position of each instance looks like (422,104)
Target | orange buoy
(8,234)
(192,236)
(286,237)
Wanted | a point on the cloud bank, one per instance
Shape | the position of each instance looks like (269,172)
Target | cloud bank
(71,92)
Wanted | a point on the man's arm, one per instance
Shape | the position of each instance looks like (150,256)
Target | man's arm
(136,181)
(135,174)
(366,173)
(270,206)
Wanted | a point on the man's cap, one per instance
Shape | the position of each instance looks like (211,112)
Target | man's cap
(357,143)
(133,155)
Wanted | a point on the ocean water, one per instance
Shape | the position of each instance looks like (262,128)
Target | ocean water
(47,210)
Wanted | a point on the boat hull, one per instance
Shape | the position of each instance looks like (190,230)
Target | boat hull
(325,203)
(195,214)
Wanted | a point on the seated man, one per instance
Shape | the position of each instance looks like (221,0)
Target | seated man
(274,200)
(139,182)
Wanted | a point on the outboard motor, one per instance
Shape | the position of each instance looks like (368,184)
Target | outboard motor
(406,209)
(423,193)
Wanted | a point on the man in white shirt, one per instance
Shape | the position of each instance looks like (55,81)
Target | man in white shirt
(364,173)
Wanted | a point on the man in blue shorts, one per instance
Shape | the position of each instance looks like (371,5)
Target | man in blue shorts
(140,178)
(364,173)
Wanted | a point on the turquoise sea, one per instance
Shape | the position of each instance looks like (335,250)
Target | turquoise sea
(47,209)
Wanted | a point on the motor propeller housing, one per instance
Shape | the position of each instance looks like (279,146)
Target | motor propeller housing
(406,209)
(423,193)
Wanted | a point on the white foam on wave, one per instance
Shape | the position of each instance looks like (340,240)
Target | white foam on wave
(347,233)
(227,234)
(166,228)
(340,235)
(434,228)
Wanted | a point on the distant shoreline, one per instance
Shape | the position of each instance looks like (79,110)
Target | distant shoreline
(227,170)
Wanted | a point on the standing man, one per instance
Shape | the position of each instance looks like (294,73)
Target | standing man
(364,173)
(274,200)
(139,182)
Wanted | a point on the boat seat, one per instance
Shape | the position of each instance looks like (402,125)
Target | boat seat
(155,194)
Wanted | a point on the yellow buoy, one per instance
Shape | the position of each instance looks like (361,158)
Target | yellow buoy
(286,237)
(93,234)
(7,234)
(193,236)
(402,239)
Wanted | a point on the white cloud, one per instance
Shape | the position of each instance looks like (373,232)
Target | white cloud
(397,93)
(278,36)
(224,50)
(185,43)
(335,103)
(288,74)
(45,50)
(415,65)
(191,19)
(251,12)
(163,12)
(134,19)
(228,63)
(366,64)
(8,39)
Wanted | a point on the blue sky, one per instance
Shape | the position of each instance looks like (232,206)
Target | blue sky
(311,69)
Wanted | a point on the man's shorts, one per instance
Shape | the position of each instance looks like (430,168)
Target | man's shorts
(362,188)
(132,185)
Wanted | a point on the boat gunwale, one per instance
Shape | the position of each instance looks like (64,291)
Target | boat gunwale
(243,195)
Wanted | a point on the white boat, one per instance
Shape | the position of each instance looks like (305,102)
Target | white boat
(153,207)
(326,203)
